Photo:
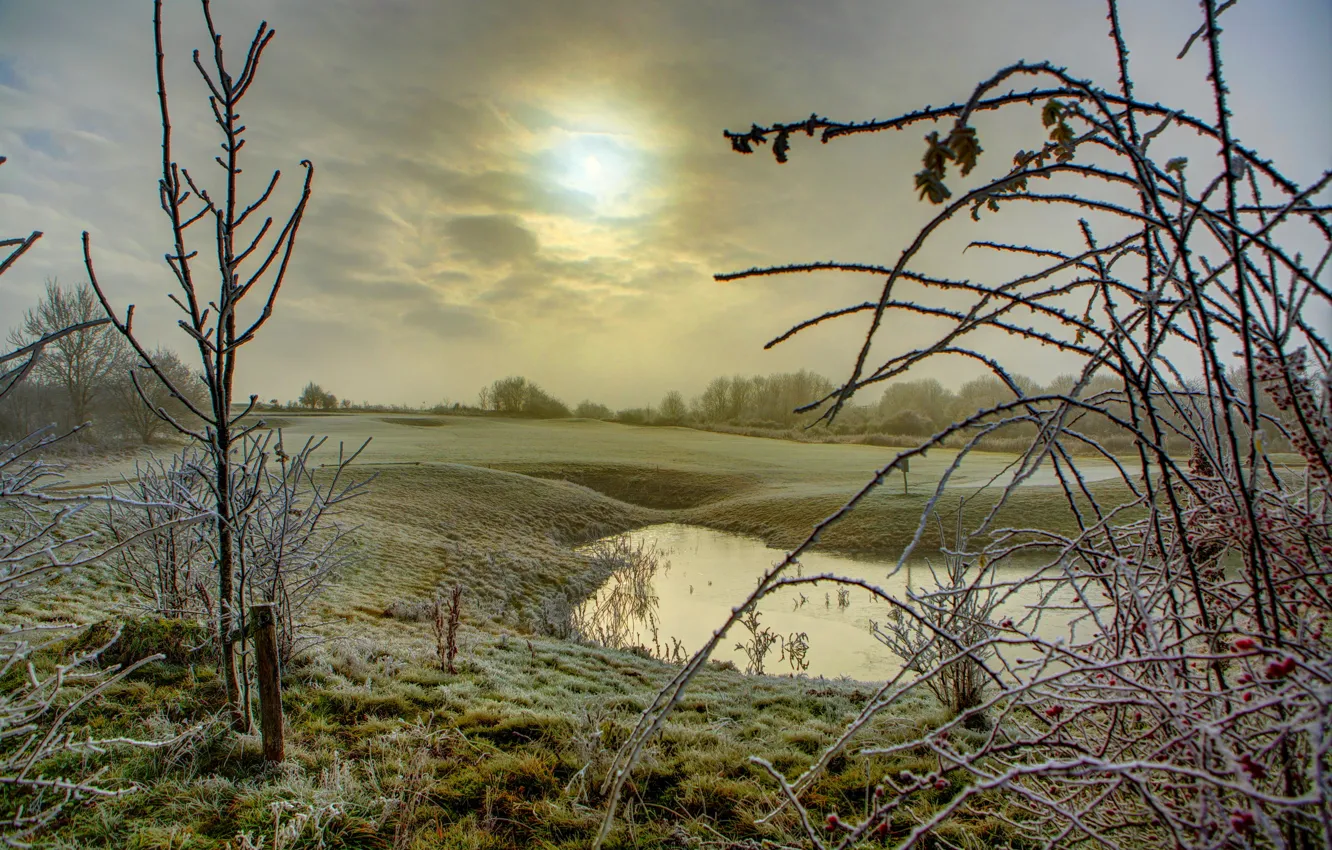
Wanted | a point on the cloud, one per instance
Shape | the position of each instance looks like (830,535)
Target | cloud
(9,75)
(492,239)
(42,142)
(448,138)
(450,321)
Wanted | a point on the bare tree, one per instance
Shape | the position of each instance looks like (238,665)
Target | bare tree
(507,395)
(588,409)
(1188,704)
(673,410)
(137,403)
(215,321)
(517,396)
(768,398)
(83,364)
(712,404)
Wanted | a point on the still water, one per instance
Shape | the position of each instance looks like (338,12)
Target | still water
(705,573)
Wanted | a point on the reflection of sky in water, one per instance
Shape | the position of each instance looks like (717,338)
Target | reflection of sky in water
(712,571)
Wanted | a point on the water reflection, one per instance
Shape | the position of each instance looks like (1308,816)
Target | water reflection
(696,575)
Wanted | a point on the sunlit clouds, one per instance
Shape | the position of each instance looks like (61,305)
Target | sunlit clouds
(542,188)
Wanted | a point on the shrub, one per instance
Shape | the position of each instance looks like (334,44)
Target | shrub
(1189,707)
(178,641)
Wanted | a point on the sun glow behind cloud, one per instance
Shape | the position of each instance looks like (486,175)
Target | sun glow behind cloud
(596,165)
(608,169)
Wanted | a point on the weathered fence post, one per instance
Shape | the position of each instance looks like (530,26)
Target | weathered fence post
(263,619)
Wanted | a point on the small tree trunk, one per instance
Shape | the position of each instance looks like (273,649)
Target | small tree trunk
(263,619)
(226,617)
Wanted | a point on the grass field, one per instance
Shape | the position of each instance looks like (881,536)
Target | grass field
(388,751)
(773,489)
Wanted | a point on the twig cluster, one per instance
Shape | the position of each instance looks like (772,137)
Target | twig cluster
(290,541)
(445,618)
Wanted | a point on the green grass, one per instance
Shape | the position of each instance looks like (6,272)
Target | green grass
(490,757)
(495,442)
(772,489)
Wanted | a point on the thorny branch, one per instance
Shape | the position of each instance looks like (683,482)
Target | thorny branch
(1172,684)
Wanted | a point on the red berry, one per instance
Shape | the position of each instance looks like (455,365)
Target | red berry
(1245,644)
(1281,669)
(1251,767)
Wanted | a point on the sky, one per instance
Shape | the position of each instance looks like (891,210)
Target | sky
(541,187)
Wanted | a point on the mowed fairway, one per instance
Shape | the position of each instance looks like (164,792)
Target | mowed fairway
(576,442)
(774,489)
(514,443)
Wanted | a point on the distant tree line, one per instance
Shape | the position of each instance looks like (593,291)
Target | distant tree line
(91,377)
(905,413)
(766,405)
(517,396)
(915,408)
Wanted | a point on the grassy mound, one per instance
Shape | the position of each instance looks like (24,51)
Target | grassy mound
(183,642)
(416,421)
(656,486)
(505,537)
(886,522)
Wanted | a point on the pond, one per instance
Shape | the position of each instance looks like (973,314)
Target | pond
(704,573)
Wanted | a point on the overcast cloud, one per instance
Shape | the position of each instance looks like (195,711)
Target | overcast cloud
(542,188)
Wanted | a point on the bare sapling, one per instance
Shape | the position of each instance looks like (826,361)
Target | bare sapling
(250,544)
(290,544)
(165,565)
(1183,699)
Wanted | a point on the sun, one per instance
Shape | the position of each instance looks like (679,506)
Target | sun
(601,166)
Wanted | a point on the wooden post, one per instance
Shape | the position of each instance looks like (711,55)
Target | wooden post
(263,619)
